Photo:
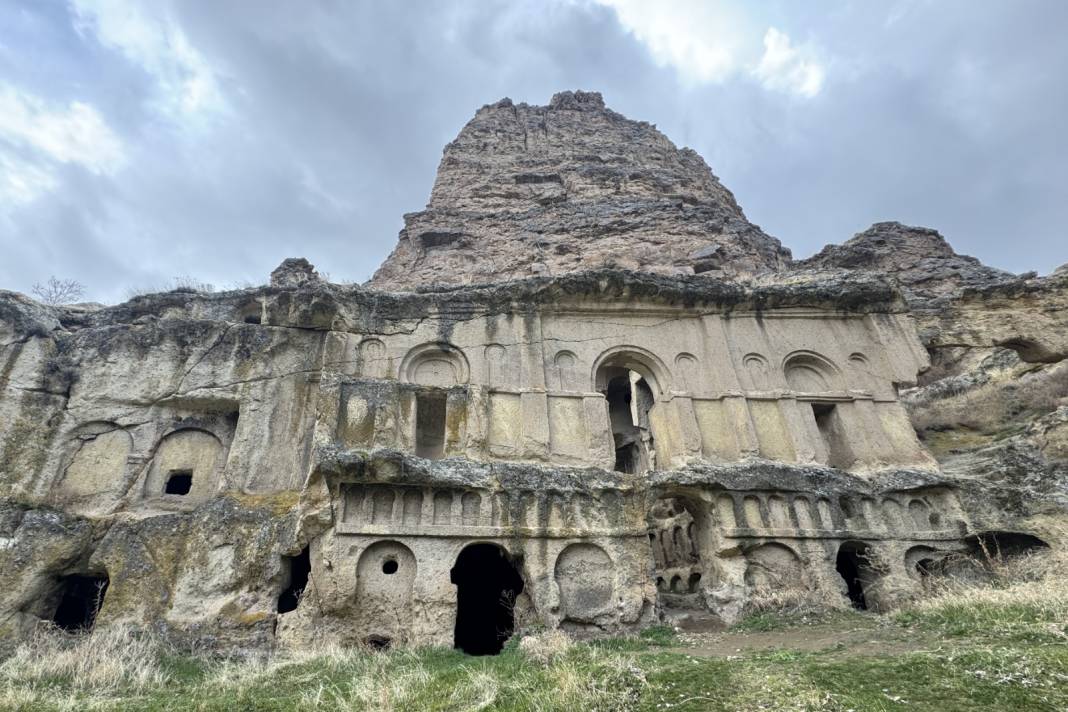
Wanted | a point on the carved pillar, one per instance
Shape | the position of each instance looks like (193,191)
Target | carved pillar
(736,408)
(533,403)
(801,424)
(599,430)
(689,432)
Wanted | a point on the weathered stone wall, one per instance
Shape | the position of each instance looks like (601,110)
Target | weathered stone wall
(293,413)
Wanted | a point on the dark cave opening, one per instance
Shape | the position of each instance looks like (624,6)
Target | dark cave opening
(487,583)
(179,482)
(298,568)
(80,599)
(851,564)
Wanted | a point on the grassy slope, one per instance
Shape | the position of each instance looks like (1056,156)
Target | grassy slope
(1000,648)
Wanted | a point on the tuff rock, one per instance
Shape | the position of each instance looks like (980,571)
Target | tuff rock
(583,384)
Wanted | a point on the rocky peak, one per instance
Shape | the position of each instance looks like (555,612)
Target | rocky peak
(918,258)
(549,190)
(293,272)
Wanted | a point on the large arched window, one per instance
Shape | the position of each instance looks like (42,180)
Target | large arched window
(632,381)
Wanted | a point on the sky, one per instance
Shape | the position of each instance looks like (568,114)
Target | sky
(208,140)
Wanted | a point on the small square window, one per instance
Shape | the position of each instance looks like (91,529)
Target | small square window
(179,482)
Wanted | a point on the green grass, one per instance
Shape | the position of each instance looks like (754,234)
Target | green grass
(957,654)
(766,621)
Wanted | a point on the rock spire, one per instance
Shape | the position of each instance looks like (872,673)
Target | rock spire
(548,190)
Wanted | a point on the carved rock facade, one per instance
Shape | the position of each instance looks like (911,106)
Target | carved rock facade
(591,451)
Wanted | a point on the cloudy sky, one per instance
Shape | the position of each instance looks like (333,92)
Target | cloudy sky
(140,141)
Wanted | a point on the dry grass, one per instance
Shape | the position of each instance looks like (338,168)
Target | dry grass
(988,409)
(120,669)
(103,661)
(1023,595)
(546,646)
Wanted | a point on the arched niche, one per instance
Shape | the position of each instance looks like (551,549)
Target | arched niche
(435,364)
(757,373)
(678,528)
(809,372)
(862,376)
(772,566)
(185,466)
(374,363)
(96,461)
(585,576)
(921,562)
(687,375)
(565,371)
(385,576)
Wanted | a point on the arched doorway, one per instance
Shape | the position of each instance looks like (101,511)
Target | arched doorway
(628,382)
(854,565)
(487,583)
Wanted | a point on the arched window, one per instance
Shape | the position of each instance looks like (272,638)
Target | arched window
(632,380)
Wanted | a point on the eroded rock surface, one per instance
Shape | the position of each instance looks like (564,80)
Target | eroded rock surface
(547,190)
(927,268)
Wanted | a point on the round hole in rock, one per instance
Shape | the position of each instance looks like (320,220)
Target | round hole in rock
(390,566)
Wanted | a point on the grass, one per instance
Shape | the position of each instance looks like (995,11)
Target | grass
(997,645)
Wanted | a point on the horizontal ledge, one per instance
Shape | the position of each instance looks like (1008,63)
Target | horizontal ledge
(478,532)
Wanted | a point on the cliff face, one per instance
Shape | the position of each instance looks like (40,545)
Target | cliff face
(547,190)
(993,408)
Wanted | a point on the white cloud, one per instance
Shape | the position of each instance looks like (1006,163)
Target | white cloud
(72,134)
(709,41)
(35,137)
(787,68)
(150,38)
(703,40)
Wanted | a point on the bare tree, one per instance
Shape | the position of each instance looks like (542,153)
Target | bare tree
(58,291)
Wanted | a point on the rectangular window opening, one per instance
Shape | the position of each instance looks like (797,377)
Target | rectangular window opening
(179,482)
(839,454)
(430,425)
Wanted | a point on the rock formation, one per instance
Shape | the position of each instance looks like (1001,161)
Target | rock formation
(920,261)
(548,190)
(589,447)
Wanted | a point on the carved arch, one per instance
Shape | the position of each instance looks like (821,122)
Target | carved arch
(636,359)
(435,364)
(810,372)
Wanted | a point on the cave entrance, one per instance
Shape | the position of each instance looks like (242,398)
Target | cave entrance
(297,569)
(430,408)
(992,546)
(80,598)
(487,583)
(630,398)
(854,566)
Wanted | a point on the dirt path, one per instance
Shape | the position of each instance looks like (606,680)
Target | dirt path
(834,638)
